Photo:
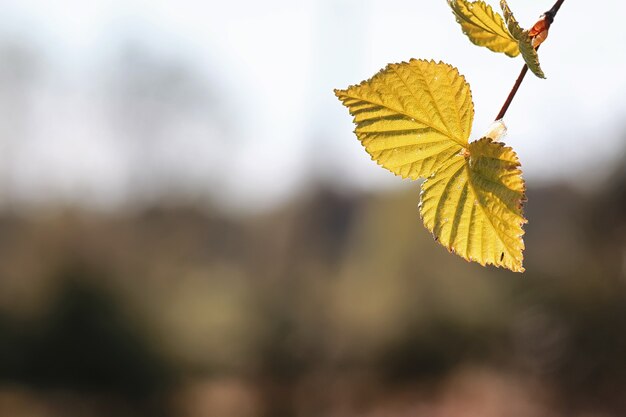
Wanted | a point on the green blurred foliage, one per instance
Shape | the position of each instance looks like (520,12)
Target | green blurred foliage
(331,305)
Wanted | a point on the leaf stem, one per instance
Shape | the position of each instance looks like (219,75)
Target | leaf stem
(511,96)
(549,16)
(554,10)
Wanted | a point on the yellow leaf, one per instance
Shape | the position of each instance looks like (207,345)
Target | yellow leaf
(483,26)
(473,205)
(412,117)
(529,53)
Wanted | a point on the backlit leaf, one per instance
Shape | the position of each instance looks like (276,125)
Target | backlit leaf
(483,26)
(412,117)
(473,205)
(529,53)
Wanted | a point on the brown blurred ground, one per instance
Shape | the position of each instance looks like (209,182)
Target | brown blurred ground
(333,305)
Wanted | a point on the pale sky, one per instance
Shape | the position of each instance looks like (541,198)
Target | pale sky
(270,68)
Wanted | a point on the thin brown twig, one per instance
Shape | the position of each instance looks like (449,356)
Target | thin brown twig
(554,10)
(549,16)
(509,99)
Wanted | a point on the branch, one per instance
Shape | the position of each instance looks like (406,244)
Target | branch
(511,96)
(554,10)
(546,19)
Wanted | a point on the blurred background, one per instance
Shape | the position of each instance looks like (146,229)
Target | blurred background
(188,226)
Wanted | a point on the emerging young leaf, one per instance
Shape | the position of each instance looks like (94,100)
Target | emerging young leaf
(412,117)
(473,205)
(483,26)
(529,53)
(415,119)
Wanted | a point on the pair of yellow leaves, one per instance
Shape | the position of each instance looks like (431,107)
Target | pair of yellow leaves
(415,119)
(486,28)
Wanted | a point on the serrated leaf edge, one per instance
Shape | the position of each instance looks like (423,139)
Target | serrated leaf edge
(529,53)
